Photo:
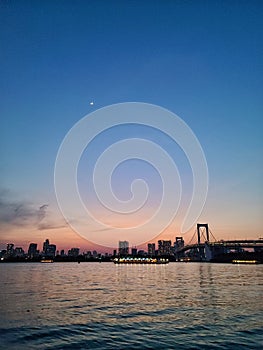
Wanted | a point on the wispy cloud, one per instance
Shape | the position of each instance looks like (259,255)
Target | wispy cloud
(42,211)
(51,225)
(22,213)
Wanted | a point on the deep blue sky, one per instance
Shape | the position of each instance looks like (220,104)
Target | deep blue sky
(200,59)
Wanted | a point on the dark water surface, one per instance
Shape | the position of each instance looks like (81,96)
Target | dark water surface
(107,306)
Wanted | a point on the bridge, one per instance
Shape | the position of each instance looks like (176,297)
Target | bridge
(206,250)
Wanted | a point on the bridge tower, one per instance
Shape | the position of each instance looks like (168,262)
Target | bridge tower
(199,226)
(201,248)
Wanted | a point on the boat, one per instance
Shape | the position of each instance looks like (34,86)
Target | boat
(133,260)
(46,261)
(245,262)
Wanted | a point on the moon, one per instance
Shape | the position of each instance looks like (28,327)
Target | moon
(91,103)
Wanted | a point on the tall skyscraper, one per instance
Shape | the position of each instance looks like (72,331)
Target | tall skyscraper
(45,246)
(10,249)
(179,243)
(164,247)
(49,250)
(123,248)
(151,249)
(32,250)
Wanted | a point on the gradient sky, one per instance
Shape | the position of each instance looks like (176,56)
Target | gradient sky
(200,59)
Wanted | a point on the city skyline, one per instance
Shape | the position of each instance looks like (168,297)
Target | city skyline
(201,61)
(51,250)
(231,251)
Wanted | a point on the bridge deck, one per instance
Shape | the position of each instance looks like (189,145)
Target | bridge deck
(230,244)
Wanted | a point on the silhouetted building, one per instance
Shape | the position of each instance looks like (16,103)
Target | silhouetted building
(2,254)
(141,253)
(151,249)
(179,243)
(10,249)
(88,255)
(123,248)
(134,251)
(62,252)
(45,246)
(49,250)
(74,252)
(164,247)
(19,252)
(32,250)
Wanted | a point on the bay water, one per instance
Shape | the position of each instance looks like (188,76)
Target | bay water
(108,306)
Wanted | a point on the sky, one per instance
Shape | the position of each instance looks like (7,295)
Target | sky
(201,60)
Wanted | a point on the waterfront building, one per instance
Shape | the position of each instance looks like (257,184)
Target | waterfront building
(134,251)
(2,253)
(164,247)
(123,248)
(179,243)
(88,254)
(151,249)
(49,250)
(32,250)
(19,252)
(10,249)
(45,246)
(74,252)
(142,253)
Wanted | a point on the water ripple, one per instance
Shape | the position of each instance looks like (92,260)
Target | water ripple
(177,306)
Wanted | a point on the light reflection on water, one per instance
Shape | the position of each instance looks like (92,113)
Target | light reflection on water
(106,306)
